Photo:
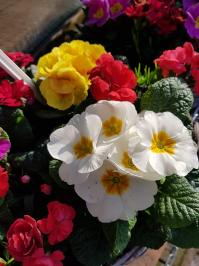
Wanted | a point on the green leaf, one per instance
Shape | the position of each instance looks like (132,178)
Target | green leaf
(17,127)
(177,203)
(147,232)
(147,76)
(169,94)
(35,160)
(118,235)
(89,244)
(187,237)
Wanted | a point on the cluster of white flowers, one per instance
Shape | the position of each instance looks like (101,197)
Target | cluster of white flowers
(113,156)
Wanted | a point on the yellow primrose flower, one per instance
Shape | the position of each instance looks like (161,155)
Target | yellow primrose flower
(64,73)
(64,87)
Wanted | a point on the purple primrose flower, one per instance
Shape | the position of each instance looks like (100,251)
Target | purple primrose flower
(98,11)
(192,21)
(188,3)
(4,147)
(117,7)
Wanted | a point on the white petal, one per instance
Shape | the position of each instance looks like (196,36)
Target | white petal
(149,175)
(95,160)
(124,111)
(140,158)
(61,141)
(108,210)
(162,163)
(105,109)
(140,196)
(152,119)
(75,120)
(69,174)
(170,123)
(91,190)
(131,116)
(90,125)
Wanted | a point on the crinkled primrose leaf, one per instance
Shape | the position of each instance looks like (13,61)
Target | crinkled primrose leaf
(169,94)
(177,203)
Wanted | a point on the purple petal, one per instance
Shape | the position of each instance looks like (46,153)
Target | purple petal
(4,147)
(188,3)
(98,11)
(190,23)
(117,7)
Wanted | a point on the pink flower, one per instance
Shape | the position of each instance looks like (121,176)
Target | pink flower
(39,258)
(25,179)
(59,223)
(21,59)
(46,189)
(24,238)
(15,94)
(176,61)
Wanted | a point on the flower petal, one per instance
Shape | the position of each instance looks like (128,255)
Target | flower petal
(108,210)
(140,196)
(91,190)
(69,174)
(95,160)
(60,145)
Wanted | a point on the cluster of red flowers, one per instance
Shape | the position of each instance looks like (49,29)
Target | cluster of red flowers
(15,94)
(21,59)
(163,14)
(112,80)
(25,242)
(181,60)
(4,185)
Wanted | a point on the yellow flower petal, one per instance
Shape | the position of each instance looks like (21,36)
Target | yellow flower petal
(54,99)
(66,72)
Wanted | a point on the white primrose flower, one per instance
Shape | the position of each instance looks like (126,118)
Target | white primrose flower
(165,145)
(76,145)
(123,159)
(117,118)
(111,194)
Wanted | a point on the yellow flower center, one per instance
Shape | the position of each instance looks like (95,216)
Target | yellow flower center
(83,147)
(197,23)
(128,163)
(99,14)
(115,183)
(117,7)
(112,127)
(162,143)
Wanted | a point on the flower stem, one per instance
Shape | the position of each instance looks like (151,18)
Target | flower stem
(10,261)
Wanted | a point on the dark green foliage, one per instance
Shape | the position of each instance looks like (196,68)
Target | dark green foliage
(88,243)
(177,202)
(187,237)
(170,94)
(34,161)
(118,235)
(17,126)
(148,232)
